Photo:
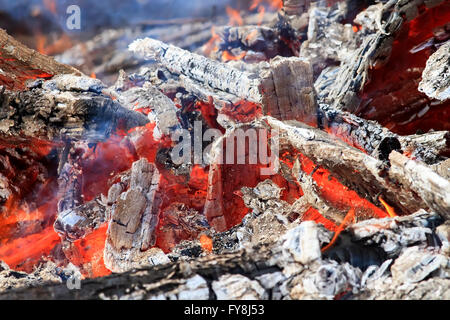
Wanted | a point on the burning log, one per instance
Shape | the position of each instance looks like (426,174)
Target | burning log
(343,161)
(295,7)
(285,90)
(19,63)
(369,135)
(65,107)
(432,188)
(435,79)
(291,267)
(374,52)
(134,217)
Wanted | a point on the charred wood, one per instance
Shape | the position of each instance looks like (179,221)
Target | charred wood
(66,107)
(19,63)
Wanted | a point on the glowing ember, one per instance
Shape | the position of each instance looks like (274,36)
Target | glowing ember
(227,56)
(206,243)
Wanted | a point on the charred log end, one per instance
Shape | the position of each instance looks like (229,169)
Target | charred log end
(388,145)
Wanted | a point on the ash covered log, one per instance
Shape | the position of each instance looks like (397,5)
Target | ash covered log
(342,161)
(431,187)
(285,88)
(19,63)
(292,267)
(436,76)
(134,217)
(66,107)
(162,110)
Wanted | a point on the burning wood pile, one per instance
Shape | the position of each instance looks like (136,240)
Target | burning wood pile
(292,149)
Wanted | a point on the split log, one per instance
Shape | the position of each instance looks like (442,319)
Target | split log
(19,63)
(134,218)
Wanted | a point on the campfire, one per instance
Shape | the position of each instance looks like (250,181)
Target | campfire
(257,149)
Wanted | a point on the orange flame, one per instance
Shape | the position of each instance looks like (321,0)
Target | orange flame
(210,46)
(235,17)
(349,218)
(261,13)
(390,210)
(59,46)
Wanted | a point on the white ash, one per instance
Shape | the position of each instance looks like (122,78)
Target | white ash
(68,82)
(415,264)
(44,274)
(238,287)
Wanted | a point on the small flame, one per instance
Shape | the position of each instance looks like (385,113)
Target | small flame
(349,218)
(390,210)
(59,46)
(93,75)
(261,13)
(235,17)
(50,5)
(211,46)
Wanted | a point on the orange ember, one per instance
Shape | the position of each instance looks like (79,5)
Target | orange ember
(206,243)
(228,56)
(87,253)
